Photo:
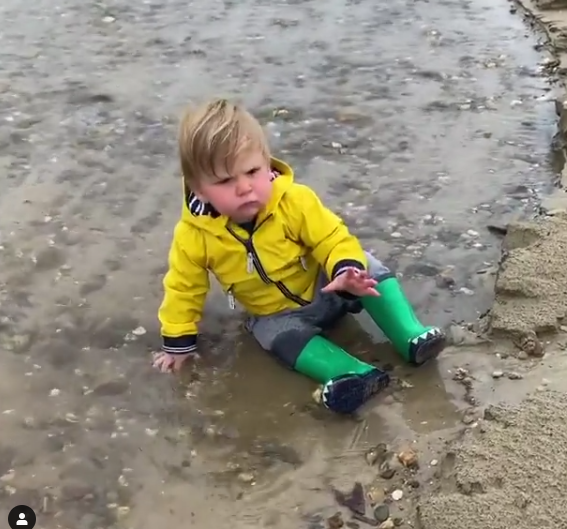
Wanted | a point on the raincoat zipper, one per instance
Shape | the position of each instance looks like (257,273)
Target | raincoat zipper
(253,262)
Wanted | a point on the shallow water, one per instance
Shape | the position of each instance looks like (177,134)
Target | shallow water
(421,122)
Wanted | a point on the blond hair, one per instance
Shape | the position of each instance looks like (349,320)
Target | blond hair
(213,135)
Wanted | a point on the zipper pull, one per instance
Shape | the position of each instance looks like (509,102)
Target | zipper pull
(303,262)
(231,300)
(250,263)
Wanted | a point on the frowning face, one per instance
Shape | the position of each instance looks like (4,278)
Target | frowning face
(243,191)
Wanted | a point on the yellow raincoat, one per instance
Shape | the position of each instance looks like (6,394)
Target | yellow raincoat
(274,269)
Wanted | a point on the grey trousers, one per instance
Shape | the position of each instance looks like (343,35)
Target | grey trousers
(324,311)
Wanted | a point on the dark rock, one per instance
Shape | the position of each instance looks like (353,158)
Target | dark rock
(386,471)
(382,513)
(376,454)
(500,231)
(413,483)
(365,519)
(354,500)
(445,281)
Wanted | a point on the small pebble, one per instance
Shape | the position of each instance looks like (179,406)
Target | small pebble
(335,521)
(210,431)
(317,395)
(497,374)
(382,513)
(397,495)
(139,331)
(376,453)
(9,476)
(246,477)
(408,458)
(388,524)
(375,495)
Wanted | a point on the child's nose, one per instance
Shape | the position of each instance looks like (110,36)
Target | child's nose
(243,186)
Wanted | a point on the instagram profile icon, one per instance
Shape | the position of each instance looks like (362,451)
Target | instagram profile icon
(21,517)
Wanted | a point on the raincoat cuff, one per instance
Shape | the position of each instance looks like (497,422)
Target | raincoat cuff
(179,345)
(341,267)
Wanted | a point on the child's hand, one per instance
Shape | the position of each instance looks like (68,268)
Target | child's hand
(170,363)
(355,282)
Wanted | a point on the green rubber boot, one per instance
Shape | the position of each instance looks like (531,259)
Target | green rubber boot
(347,382)
(392,312)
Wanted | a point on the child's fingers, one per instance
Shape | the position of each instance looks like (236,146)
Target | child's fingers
(156,361)
(167,366)
(162,362)
(332,286)
(158,364)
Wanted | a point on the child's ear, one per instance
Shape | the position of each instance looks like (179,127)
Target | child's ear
(198,193)
(200,196)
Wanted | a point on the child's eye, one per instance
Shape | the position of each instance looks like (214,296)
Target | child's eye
(223,181)
(252,171)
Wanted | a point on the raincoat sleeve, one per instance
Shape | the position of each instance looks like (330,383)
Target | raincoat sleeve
(186,284)
(332,245)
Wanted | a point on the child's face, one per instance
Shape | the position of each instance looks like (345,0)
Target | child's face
(243,193)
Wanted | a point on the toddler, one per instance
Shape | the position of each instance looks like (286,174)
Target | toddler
(287,259)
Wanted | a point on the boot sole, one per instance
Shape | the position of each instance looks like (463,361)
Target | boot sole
(346,394)
(429,349)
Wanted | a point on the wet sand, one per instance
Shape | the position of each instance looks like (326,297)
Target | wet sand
(507,468)
(420,123)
